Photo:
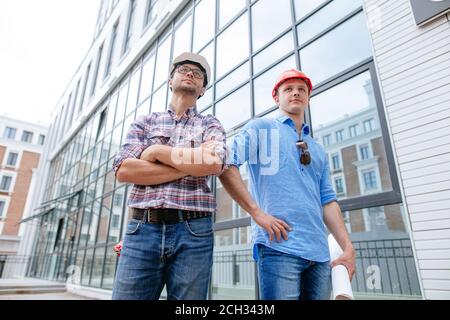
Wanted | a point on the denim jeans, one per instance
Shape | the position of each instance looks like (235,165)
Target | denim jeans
(284,276)
(176,255)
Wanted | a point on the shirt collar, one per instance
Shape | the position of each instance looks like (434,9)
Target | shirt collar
(285,119)
(192,111)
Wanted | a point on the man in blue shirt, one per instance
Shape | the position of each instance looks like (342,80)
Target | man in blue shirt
(291,198)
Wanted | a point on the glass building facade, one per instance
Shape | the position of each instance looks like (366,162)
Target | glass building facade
(248,43)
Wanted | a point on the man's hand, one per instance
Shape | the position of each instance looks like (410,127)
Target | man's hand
(347,258)
(272,225)
(118,248)
(149,154)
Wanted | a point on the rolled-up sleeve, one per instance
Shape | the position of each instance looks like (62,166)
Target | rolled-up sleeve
(134,143)
(215,131)
(244,145)
(327,193)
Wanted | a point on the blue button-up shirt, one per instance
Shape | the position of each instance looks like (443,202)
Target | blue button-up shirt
(285,188)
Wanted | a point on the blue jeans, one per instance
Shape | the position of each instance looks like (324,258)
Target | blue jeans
(284,276)
(177,255)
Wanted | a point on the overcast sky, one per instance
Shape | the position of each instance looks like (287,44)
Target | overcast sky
(42,43)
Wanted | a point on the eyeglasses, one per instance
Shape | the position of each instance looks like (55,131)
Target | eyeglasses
(305,157)
(196,72)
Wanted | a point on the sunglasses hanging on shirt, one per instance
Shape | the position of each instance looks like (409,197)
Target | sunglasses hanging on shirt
(305,157)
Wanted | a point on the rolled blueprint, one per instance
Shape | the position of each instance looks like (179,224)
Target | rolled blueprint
(342,288)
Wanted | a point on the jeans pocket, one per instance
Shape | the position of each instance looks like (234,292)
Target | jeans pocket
(202,227)
(133,227)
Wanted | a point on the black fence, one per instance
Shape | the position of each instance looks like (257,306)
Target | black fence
(383,268)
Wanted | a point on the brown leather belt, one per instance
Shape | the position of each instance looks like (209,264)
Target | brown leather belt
(167,216)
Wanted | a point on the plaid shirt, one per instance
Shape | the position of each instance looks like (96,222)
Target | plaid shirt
(191,130)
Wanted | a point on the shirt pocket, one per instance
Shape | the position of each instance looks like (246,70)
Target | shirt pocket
(159,136)
(187,138)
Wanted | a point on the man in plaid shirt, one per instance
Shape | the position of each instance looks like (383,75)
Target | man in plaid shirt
(169,157)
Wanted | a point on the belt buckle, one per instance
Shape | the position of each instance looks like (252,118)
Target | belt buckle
(148,216)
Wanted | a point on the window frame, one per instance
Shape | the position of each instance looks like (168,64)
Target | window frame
(336,155)
(382,198)
(9,129)
(28,134)
(41,137)
(6,200)
(6,158)
(13,176)
(326,139)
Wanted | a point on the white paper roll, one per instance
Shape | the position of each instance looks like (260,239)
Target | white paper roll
(340,281)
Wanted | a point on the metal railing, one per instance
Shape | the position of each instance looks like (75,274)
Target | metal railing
(383,268)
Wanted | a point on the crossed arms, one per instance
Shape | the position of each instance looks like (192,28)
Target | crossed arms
(161,163)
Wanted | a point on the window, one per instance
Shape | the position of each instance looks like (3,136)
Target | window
(115,220)
(2,208)
(147,77)
(332,52)
(41,139)
(101,124)
(364,151)
(182,42)
(94,79)
(263,85)
(353,130)
(339,135)
(339,185)
(12,159)
(229,9)
(325,18)
(303,8)
(329,115)
(326,140)
(150,15)
(5,183)
(204,22)
(27,136)
(66,112)
(73,105)
(88,71)
(111,50)
(234,79)
(10,133)
(129,32)
(231,118)
(369,125)
(76,97)
(336,161)
(118,198)
(133,91)
(159,100)
(266,23)
(162,62)
(370,180)
(232,50)
(273,52)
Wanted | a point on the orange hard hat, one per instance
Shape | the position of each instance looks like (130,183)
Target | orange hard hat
(291,74)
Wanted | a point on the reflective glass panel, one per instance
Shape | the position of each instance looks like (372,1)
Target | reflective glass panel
(232,49)
(204,23)
(269,18)
(339,109)
(337,50)
(228,9)
(235,108)
(263,85)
